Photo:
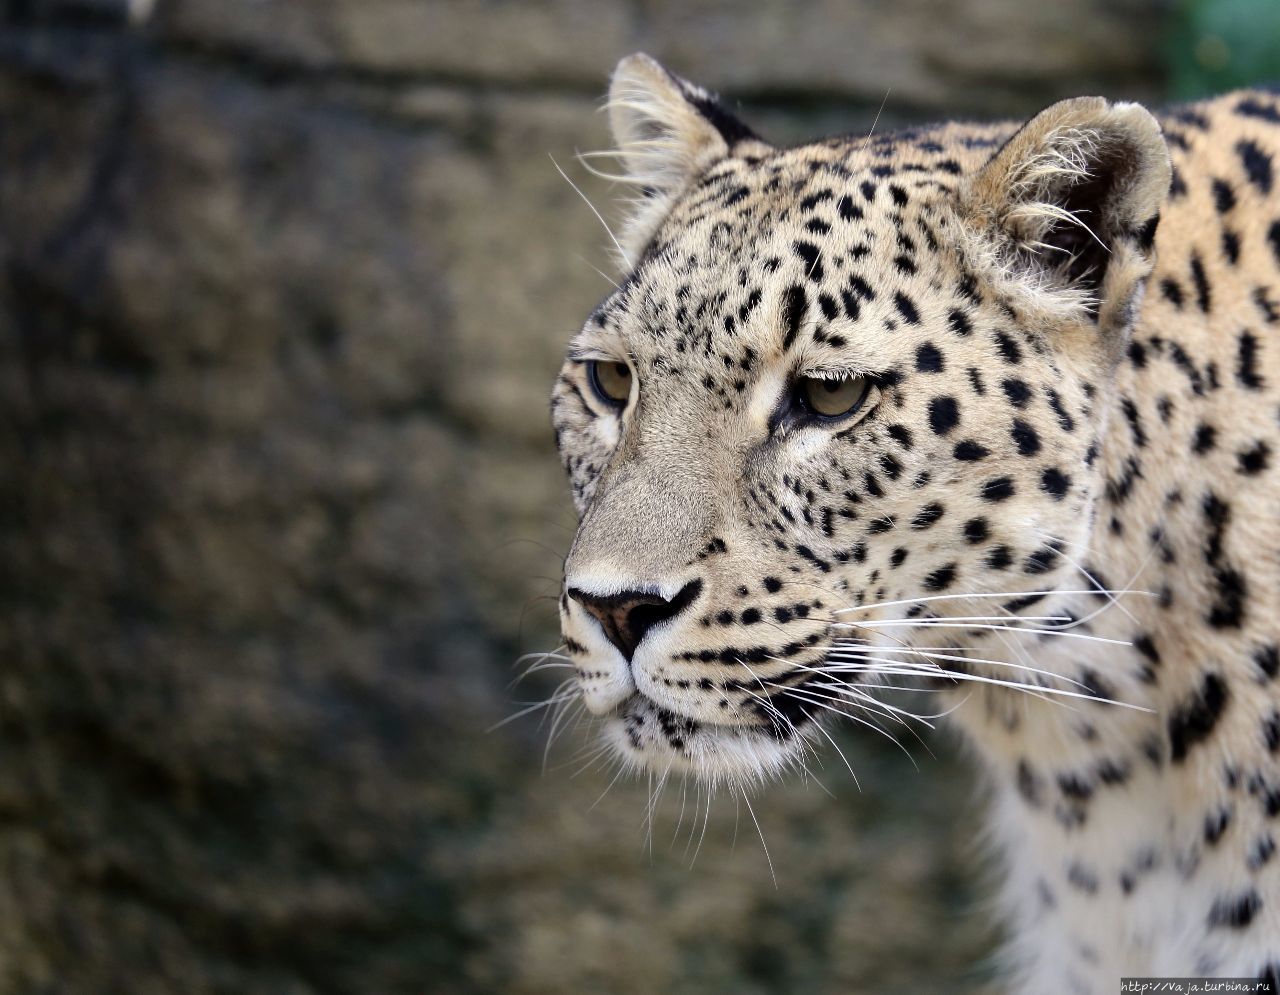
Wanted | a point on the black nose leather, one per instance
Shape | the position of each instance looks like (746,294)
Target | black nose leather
(626,617)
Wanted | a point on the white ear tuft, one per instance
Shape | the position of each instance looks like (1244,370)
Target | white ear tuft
(667,131)
(1069,205)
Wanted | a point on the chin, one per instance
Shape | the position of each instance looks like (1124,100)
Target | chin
(651,739)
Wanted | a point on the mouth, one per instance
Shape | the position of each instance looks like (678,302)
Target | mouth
(651,737)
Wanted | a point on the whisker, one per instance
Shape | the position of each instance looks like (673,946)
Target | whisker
(980,594)
(763,844)
(951,658)
(943,624)
(600,217)
(931,670)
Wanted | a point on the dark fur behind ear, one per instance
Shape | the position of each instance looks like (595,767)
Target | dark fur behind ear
(667,131)
(1070,205)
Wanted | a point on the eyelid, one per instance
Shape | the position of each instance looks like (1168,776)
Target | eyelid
(836,373)
(586,355)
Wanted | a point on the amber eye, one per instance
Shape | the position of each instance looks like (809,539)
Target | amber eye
(610,380)
(835,397)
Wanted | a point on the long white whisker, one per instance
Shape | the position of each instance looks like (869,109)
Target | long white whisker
(952,658)
(763,844)
(982,594)
(942,624)
(600,217)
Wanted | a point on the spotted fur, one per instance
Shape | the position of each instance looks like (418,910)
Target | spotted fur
(1065,477)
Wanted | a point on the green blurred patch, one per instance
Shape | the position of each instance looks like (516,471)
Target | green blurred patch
(1219,45)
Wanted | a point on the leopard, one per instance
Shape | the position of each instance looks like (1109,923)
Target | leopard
(987,409)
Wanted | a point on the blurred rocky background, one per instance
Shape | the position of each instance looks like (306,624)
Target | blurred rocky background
(283,286)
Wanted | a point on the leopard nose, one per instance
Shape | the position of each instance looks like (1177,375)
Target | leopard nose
(626,617)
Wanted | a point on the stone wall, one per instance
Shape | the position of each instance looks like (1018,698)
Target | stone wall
(283,285)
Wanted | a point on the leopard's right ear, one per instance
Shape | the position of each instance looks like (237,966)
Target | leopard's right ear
(666,132)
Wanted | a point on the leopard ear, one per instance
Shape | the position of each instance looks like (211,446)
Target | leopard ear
(1067,209)
(666,132)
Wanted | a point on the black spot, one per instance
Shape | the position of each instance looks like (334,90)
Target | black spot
(1270,313)
(1029,784)
(999,558)
(751,616)
(1145,645)
(1257,164)
(1254,460)
(906,307)
(1055,483)
(812,257)
(1215,824)
(1228,608)
(1271,731)
(1041,561)
(1075,787)
(1135,421)
(828,305)
(1017,392)
(901,435)
(1224,198)
(848,210)
(898,556)
(814,199)
(1081,877)
(1172,292)
(1249,107)
(975,381)
(772,585)
(795,304)
(1205,439)
(944,414)
(1025,437)
(1137,354)
(1203,300)
(927,516)
(969,451)
(783,615)
(898,194)
(892,468)
(1008,348)
(1247,362)
(1064,418)
(880,525)
(959,322)
(1194,720)
(1263,849)
(976,530)
(1236,912)
(1231,246)
(1267,660)
(929,359)
(940,579)
(999,489)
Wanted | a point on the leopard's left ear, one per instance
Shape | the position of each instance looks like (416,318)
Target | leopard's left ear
(666,132)
(1068,208)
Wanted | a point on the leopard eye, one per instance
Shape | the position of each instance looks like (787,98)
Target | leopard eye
(836,397)
(610,380)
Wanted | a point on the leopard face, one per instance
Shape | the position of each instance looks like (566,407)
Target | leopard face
(842,385)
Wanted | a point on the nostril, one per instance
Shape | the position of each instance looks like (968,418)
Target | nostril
(628,616)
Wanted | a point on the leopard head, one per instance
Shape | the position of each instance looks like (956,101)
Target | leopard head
(841,385)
